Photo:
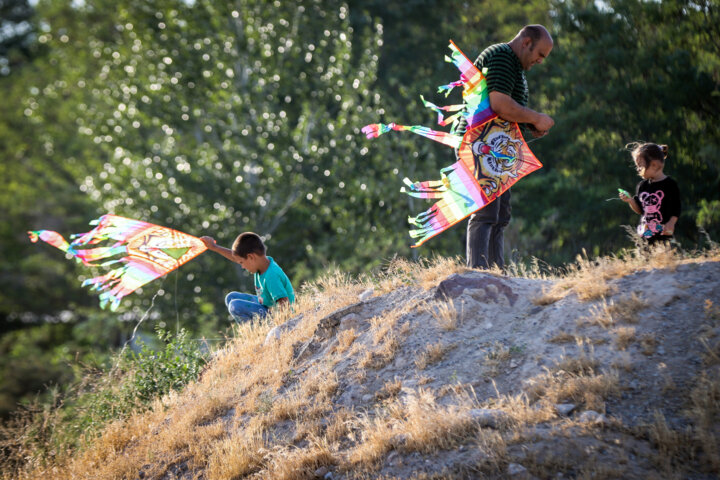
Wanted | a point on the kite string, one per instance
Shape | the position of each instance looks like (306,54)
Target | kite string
(132,337)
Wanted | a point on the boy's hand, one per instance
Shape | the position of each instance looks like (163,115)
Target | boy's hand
(209,242)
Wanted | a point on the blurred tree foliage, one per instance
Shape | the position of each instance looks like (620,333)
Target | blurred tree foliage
(215,118)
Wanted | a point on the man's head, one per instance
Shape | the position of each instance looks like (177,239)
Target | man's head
(250,250)
(532,45)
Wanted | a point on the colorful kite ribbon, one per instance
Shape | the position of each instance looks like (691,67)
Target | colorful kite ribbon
(141,252)
(482,172)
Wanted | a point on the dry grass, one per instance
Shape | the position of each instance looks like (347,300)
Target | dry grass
(445,314)
(432,353)
(381,356)
(390,389)
(590,390)
(599,315)
(345,339)
(290,463)
(418,425)
(648,343)
(496,357)
(624,336)
(563,337)
(626,308)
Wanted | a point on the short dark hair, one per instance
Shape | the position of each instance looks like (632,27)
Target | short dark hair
(533,32)
(247,243)
(648,151)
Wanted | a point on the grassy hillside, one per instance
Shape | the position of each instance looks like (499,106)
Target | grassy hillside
(608,368)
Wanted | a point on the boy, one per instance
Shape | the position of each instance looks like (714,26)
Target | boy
(271,284)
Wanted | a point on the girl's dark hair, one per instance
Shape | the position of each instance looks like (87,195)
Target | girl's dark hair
(648,151)
(247,243)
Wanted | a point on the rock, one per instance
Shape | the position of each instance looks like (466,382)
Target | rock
(367,398)
(564,409)
(514,363)
(277,331)
(456,284)
(487,417)
(487,324)
(328,476)
(592,417)
(351,320)
(517,472)
(366,294)
(321,472)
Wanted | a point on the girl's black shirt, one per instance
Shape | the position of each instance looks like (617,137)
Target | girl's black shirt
(659,201)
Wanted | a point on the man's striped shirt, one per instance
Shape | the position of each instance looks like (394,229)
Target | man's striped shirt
(505,75)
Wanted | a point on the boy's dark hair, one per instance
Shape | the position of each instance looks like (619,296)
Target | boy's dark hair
(648,151)
(247,243)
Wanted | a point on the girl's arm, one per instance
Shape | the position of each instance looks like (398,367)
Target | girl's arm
(669,227)
(631,202)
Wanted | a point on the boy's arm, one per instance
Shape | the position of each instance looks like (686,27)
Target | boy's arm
(225,252)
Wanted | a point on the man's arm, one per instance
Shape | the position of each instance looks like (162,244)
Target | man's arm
(225,252)
(511,111)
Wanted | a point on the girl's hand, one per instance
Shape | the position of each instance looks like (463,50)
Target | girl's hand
(625,198)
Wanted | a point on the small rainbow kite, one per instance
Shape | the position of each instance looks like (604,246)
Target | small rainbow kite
(144,252)
(492,154)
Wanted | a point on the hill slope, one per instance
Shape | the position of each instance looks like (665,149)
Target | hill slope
(607,371)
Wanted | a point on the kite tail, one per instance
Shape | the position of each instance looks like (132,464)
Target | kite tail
(454,202)
(376,129)
(48,236)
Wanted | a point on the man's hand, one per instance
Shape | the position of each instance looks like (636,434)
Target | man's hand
(209,242)
(543,123)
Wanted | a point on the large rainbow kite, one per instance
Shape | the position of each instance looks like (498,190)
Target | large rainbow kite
(142,252)
(492,154)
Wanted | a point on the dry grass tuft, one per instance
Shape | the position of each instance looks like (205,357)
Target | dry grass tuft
(445,314)
(549,296)
(674,447)
(236,458)
(599,315)
(433,353)
(381,356)
(345,339)
(648,343)
(299,463)
(563,337)
(496,356)
(390,389)
(626,308)
(418,425)
(624,336)
(591,390)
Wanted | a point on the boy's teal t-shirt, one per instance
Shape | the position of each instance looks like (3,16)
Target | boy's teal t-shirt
(273,284)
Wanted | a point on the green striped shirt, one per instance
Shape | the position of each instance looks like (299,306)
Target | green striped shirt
(505,73)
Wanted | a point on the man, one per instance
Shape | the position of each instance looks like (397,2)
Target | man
(506,64)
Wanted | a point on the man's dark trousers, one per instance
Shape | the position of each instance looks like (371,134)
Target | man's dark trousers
(485,233)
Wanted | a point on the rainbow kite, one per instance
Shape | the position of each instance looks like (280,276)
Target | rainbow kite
(492,154)
(142,251)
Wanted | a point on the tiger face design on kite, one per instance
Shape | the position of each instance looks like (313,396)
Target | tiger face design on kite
(496,160)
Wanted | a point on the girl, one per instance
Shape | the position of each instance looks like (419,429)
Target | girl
(657,197)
